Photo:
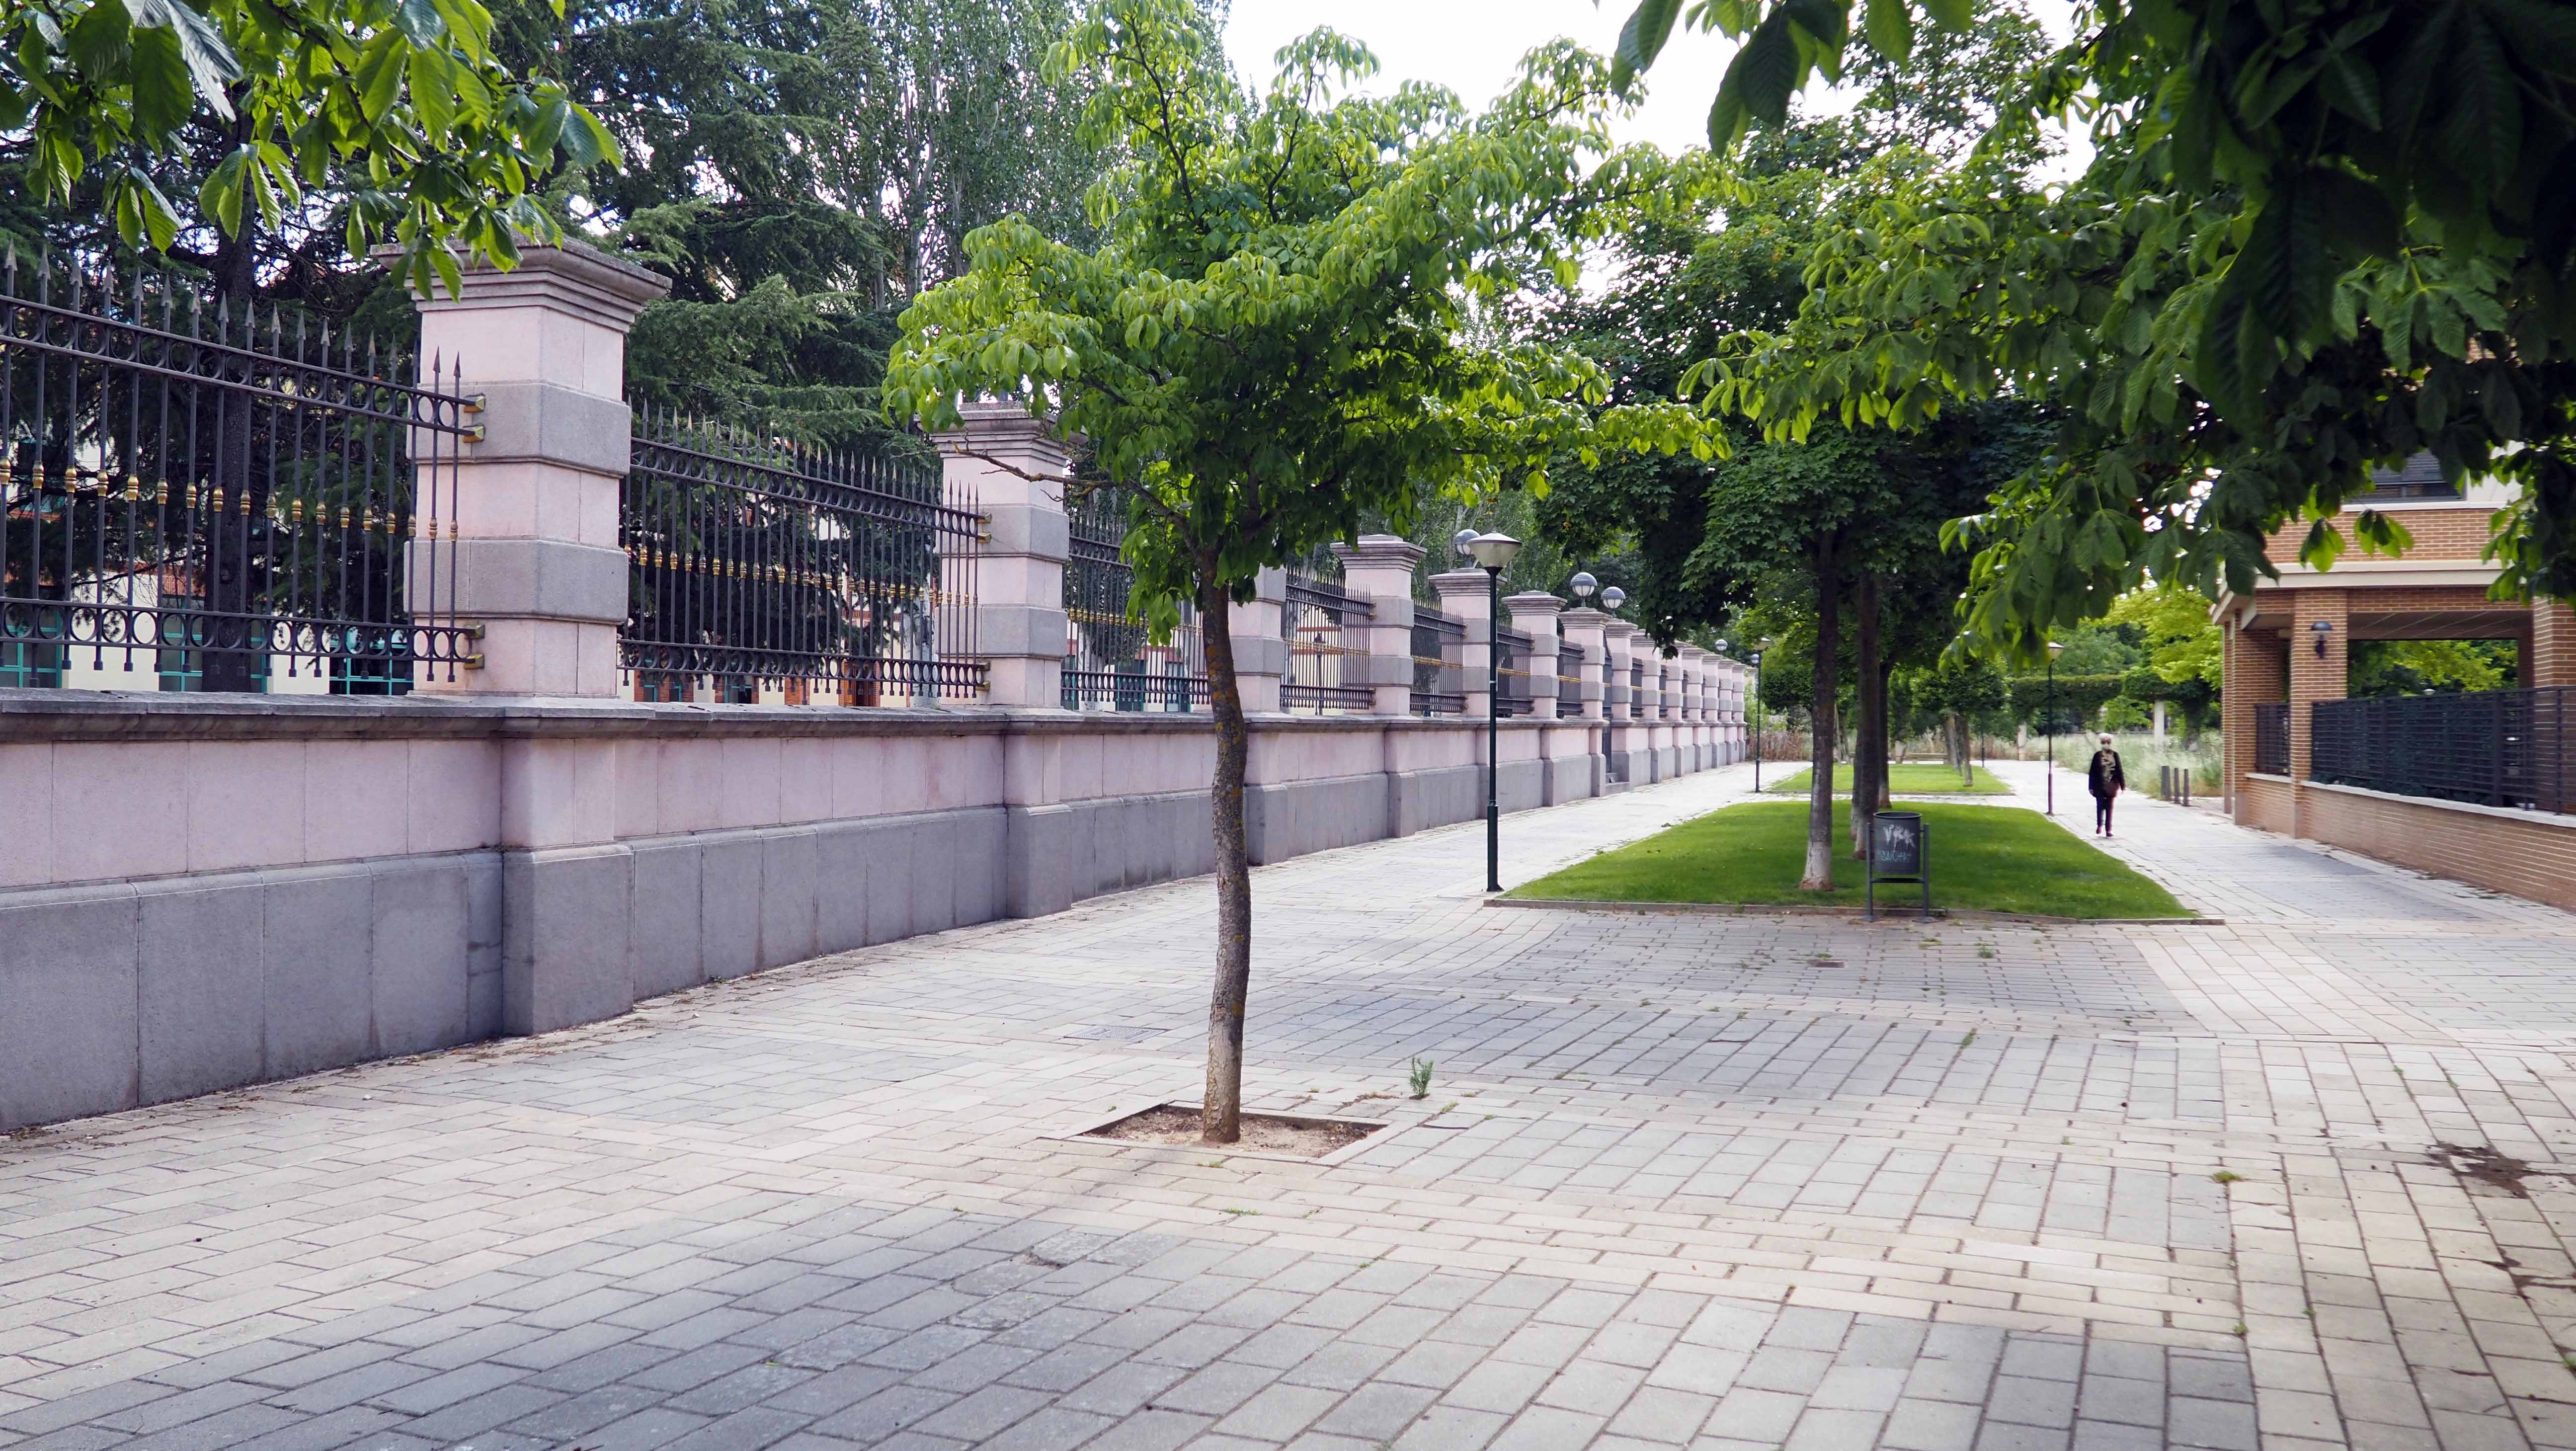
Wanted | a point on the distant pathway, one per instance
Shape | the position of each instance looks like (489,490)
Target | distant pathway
(1681,1181)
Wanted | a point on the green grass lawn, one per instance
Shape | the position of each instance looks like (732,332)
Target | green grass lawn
(1983,858)
(1912,779)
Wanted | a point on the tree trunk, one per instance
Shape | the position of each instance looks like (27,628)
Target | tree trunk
(1821,726)
(1221,1113)
(1869,733)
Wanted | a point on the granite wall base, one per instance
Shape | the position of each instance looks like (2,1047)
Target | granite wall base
(122,994)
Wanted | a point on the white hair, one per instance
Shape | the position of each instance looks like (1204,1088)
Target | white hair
(2106,738)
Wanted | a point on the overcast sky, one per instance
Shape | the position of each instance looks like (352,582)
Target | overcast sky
(1473,46)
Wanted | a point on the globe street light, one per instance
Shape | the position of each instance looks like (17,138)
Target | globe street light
(1492,552)
(2054,650)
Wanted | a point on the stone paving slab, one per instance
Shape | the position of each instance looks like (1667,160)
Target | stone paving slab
(1681,1181)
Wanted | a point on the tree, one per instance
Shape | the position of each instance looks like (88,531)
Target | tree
(1273,338)
(1845,522)
(2339,136)
(802,172)
(411,97)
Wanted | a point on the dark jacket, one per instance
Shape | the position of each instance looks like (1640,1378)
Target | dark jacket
(2105,777)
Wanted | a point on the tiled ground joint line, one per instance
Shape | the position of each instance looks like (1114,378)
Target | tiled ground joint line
(602,1133)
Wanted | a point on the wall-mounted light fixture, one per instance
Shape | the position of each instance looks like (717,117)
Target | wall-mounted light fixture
(2321,629)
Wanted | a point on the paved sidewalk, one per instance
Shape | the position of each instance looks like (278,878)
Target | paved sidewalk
(1681,1181)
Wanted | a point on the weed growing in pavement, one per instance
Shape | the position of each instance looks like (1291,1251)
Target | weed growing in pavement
(1419,1076)
(2225,1176)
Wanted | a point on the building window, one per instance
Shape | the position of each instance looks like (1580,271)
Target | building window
(2419,478)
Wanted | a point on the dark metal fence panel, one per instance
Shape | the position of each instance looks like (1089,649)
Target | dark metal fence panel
(2493,747)
(1512,678)
(2272,738)
(1317,621)
(1111,661)
(1569,679)
(1438,640)
(756,564)
(202,494)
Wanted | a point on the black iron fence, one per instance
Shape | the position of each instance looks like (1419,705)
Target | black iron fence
(1321,626)
(2492,747)
(1111,659)
(759,569)
(204,494)
(1512,650)
(2272,738)
(1439,643)
(1569,679)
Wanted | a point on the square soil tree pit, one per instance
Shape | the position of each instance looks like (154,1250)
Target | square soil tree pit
(1265,1135)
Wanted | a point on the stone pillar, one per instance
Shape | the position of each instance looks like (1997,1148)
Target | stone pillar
(1012,468)
(1534,614)
(1581,628)
(537,560)
(2160,722)
(1619,639)
(1379,569)
(539,567)
(1466,596)
(1689,668)
(1260,646)
(2552,660)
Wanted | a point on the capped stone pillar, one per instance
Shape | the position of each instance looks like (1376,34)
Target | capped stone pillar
(1260,642)
(1534,614)
(1379,569)
(1467,597)
(1688,669)
(537,559)
(1581,628)
(1012,468)
(1619,640)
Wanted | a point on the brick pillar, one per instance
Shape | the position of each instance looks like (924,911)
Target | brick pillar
(2552,657)
(1619,639)
(2251,675)
(1011,467)
(1379,569)
(1465,596)
(1534,614)
(2314,677)
(1582,629)
(538,563)
(1260,644)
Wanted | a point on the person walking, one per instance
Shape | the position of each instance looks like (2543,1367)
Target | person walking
(2106,781)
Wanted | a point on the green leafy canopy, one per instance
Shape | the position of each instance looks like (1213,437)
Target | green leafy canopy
(1285,326)
(408,93)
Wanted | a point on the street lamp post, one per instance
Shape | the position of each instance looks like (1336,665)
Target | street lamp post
(1492,551)
(1760,709)
(2054,650)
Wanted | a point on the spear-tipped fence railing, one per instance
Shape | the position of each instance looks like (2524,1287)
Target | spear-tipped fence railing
(1439,642)
(1317,620)
(759,569)
(1511,674)
(200,492)
(1111,659)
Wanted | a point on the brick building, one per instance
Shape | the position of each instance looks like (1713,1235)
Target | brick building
(2473,787)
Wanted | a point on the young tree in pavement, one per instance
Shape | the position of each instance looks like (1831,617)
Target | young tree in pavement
(1274,336)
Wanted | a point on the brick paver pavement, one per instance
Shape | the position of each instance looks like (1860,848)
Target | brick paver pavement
(1682,1180)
